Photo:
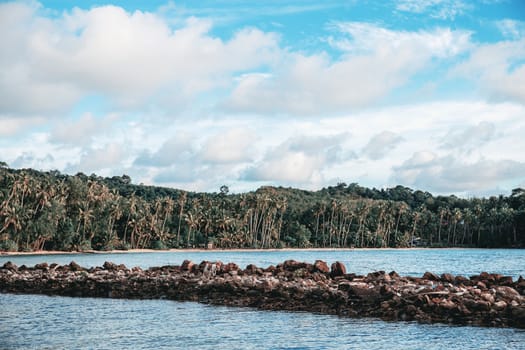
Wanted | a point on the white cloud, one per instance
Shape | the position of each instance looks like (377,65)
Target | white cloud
(176,148)
(100,159)
(380,144)
(81,132)
(298,160)
(375,61)
(441,9)
(11,126)
(229,146)
(498,69)
(448,174)
(511,28)
(133,58)
(469,138)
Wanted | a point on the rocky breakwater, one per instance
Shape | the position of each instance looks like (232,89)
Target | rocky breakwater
(482,300)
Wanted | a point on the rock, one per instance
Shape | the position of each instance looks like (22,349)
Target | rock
(507,293)
(393,274)
(292,265)
(447,277)
(251,269)
(447,304)
(109,266)
(488,297)
(338,269)
(505,280)
(187,265)
(462,280)
(73,266)
(321,266)
(42,266)
(499,305)
(430,276)
(292,286)
(10,266)
(229,267)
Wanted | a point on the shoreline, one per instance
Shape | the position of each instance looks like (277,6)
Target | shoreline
(202,250)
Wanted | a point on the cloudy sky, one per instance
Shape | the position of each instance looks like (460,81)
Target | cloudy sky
(428,94)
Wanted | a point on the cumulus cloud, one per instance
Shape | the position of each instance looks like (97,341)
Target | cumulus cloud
(448,174)
(375,60)
(31,160)
(11,126)
(498,69)
(131,57)
(380,144)
(81,131)
(230,146)
(96,159)
(469,138)
(298,160)
(177,148)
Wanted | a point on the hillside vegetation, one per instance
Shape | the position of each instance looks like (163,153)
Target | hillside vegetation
(53,211)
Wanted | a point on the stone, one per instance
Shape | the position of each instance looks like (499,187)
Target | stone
(507,293)
(229,267)
(499,305)
(321,266)
(430,276)
(338,269)
(42,266)
(73,266)
(10,266)
(299,287)
(447,277)
(109,266)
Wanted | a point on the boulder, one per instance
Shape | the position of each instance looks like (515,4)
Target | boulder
(338,269)
(186,265)
(430,276)
(507,293)
(321,266)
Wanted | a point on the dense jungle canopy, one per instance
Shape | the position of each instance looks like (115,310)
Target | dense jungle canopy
(53,211)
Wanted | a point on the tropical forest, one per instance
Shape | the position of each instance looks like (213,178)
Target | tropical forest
(47,210)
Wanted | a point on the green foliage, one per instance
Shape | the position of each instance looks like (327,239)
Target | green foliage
(49,210)
(8,245)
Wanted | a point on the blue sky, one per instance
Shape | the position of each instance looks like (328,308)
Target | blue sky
(428,94)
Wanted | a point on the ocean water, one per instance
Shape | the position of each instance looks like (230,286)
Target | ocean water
(42,322)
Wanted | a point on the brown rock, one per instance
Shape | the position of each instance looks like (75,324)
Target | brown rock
(508,293)
(499,305)
(321,266)
(41,266)
(430,276)
(109,266)
(10,266)
(338,269)
(447,277)
(230,267)
(73,266)
(186,265)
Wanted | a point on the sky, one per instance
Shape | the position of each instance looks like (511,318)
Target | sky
(428,94)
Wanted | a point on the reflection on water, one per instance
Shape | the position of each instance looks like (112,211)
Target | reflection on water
(41,322)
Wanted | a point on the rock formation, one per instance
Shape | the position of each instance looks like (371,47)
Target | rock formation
(481,300)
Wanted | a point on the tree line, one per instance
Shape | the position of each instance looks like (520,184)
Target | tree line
(53,211)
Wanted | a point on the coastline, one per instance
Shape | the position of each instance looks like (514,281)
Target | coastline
(202,250)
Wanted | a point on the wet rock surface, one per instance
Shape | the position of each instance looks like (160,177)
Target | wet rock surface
(482,300)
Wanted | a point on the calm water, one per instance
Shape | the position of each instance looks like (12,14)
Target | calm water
(41,322)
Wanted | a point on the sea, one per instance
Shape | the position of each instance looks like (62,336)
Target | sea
(44,322)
